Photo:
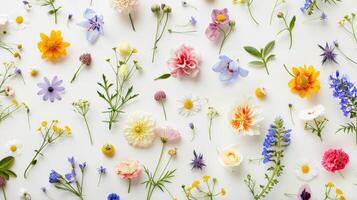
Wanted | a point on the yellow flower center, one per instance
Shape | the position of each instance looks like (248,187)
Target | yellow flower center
(302,81)
(19,19)
(305,168)
(188,104)
(52,45)
(138,128)
(220,18)
(13,148)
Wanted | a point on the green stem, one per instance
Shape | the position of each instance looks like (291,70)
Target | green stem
(265,66)
(3,192)
(75,74)
(250,12)
(155,41)
(348,58)
(100,178)
(88,129)
(171,31)
(272,12)
(129,187)
(132,22)
(91,2)
(209,129)
(225,36)
(38,152)
(318,129)
(356,130)
(152,186)
(163,108)
(353,31)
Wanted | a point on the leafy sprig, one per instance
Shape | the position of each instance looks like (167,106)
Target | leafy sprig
(317,126)
(263,54)
(288,27)
(115,93)
(156,179)
(5,167)
(53,8)
(276,154)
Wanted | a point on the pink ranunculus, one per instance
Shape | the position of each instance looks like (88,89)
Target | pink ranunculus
(185,62)
(334,160)
(212,32)
(220,16)
(128,169)
(168,133)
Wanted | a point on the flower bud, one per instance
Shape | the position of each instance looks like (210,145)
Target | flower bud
(232,23)
(280,15)
(167,9)
(125,49)
(123,71)
(155,8)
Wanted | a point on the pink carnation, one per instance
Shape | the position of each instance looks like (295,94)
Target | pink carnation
(184,63)
(334,160)
(168,133)
(128,169)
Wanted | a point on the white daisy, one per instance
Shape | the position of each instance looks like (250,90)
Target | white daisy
(305,170)
(14,147)
(312,113)
(4,21)
(189,105)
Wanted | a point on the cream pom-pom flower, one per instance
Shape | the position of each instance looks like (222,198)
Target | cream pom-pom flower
(139,130)
(124,5)
(230,157)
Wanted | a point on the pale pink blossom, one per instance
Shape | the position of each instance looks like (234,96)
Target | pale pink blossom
(168,133)
(185,62)
(128,169)
(9,91)
(220,16)
(212,32)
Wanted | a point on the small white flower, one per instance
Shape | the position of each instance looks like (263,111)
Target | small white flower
(189,105)
(230,157)
(14,147)
(126,6)
(9,91)
(305,170)
(4,21)
(24,195)
(312,113)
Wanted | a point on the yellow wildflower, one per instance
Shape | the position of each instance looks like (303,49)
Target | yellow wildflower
(304,82)
(339,191)
(205,178)
(223,192)
(195,183)
(330,184)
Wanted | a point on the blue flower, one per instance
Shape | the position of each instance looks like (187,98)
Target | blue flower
(54,177)
(71,160)
(113,196)
(83,166)
(346,91)
(193,21)
(228,69)
(102,170)
(93,24)
(306,6)
(71,176)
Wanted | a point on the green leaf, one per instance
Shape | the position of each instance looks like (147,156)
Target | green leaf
(292,23)
(7,162)
(269,47)
(347,128)
(164,76)
(10,173)
(253,51)
(270,57)
(256,62)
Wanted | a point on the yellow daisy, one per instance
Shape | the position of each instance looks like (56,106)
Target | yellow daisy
(52,47)
(304,81)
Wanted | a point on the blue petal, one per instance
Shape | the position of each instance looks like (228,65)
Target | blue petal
(225,76)
(89,13)
(84,24)
(92,35)
(243,72)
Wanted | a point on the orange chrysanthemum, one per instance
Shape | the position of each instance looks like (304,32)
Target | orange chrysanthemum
(52,47)
(245,118)
(305,81)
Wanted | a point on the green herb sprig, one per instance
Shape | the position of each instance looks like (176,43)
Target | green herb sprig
(288,27)
(263,54)
(54,9)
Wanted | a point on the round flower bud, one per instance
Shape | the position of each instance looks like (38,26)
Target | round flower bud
(86,59)
(280,15)
(123,71)
(167,9)
(125,49)
(108,150)
(232,23)
(160,96)
(155,8)
(260,93)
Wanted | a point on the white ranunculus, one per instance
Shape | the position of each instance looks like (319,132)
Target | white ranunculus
(312,113)
(230,157)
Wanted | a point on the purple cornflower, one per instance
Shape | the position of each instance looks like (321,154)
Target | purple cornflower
(101,170)
(93,24)
(323,16)
(51,90)
(306,6)
(54,177)
(197,162)
(346,91)
(83,166)
(328,53)
(71,177)
(193,21)
(71,160)
(113,196)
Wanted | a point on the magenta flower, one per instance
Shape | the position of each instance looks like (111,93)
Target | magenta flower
(51,90)
(220,16)
(185,62)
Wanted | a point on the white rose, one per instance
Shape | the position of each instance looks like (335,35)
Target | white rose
(230,157)
(312,113)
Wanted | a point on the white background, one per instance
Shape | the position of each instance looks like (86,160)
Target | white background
(223,96)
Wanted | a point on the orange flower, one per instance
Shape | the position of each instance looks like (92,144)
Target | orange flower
(305,81)
(52,47)
(245,118)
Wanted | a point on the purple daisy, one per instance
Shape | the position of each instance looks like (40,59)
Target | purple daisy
(51,90)
(328,53)
(197,162)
